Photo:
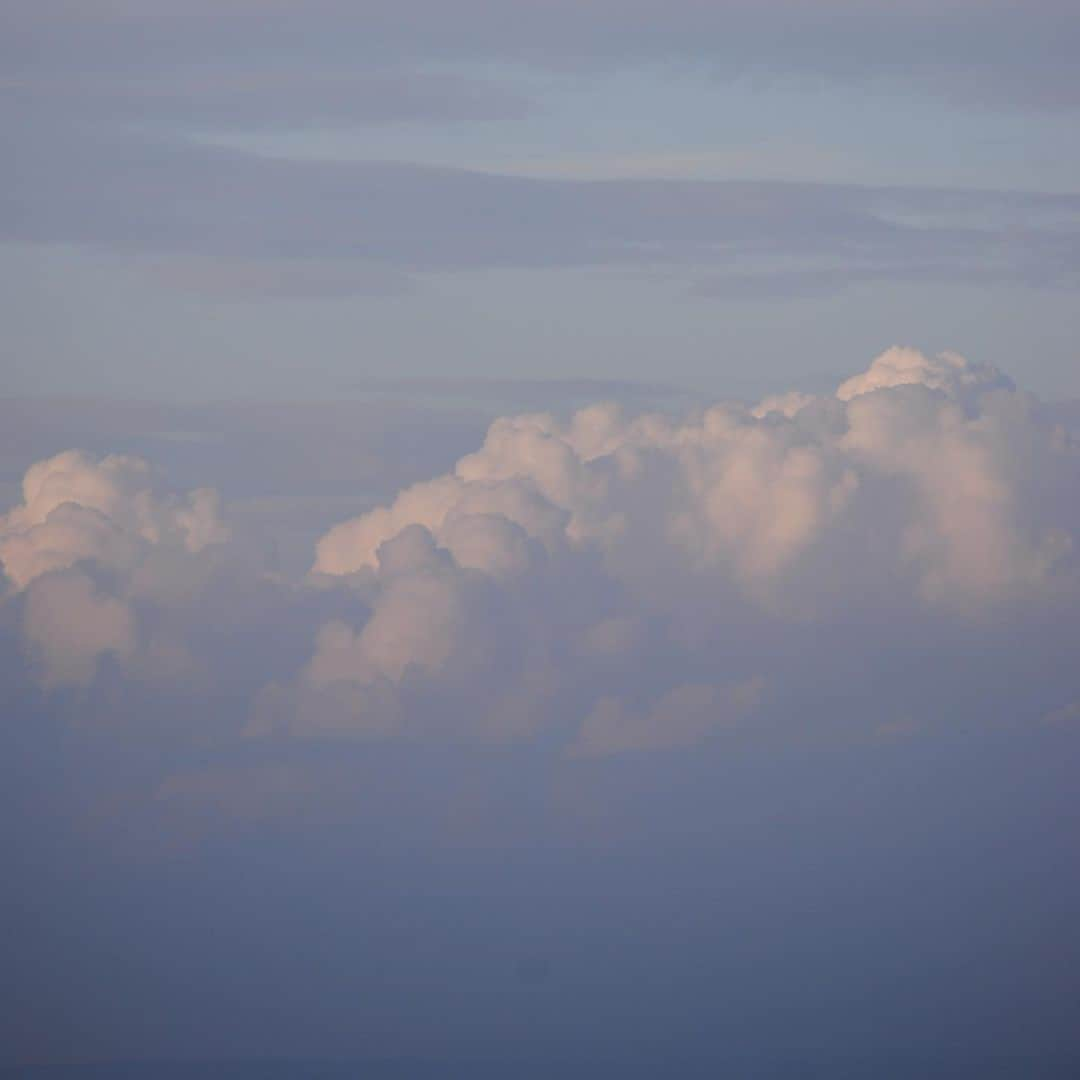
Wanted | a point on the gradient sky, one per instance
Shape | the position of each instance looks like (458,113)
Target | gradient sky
(539,539)
(277,199)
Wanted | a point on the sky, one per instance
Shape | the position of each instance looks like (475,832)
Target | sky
(539,539)
(273,199)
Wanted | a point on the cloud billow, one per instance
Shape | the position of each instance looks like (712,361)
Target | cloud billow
(608,585)
(629,693)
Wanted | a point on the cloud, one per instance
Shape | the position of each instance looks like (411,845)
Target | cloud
(604,584)
(91,540)
(304,227)
(957,377)
(75,508)
(653,670)
(785,404)
(738,493)
(594,567)
(71,625)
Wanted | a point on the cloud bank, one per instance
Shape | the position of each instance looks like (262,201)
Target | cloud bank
(608,584)
(124,97)
(295,227)
(623,724)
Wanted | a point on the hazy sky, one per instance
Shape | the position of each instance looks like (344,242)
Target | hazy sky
(641,737)
(540,539)
(280,199)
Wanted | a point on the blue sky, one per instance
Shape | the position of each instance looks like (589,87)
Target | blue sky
(192,211)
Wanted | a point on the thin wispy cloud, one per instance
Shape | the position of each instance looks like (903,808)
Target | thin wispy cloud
(143,197)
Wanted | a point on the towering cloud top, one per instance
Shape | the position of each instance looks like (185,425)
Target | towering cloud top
(611,560)
(743,497)
(955,376)
(613,583)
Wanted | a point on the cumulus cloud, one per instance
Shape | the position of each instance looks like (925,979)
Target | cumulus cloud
(593,567)
(613,671)
(603,584)
(71,625)
(741,496)
(90,538)
(75,508)
(954,375)
(787,404)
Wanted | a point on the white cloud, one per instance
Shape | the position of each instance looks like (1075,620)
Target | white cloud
(742,497)
(606,584)
(788,404)
(135,541)
(948,372)
(108,511)
(927,488)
